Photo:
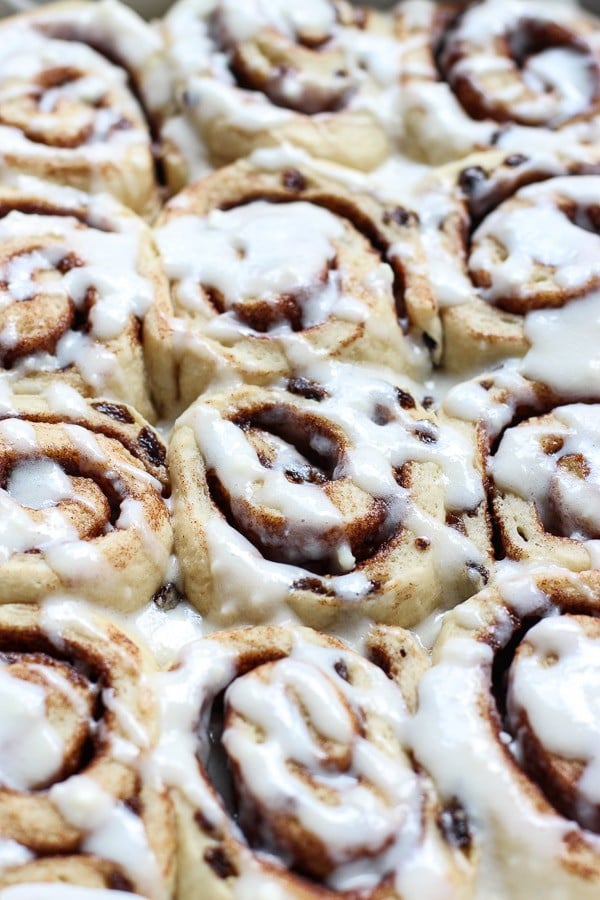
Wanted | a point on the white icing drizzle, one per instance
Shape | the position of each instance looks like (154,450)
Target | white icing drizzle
(458,747)
(331,704)
(561,700)
(112,831)
(563,351)
(373,451)
(32,518)
(522,465)
(244,253)
(547,88)
(556,82)
(370,61)
(31,749)
(34,891)
(106,264)
(13,854)
(90,105)
(533,229)
(39,483)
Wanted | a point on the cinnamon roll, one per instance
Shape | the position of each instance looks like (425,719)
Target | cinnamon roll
(517,278)
(499,73)
(322,800)
(262,259)
(77,81)
(62,891)
(324,77)
(507,724)
(339,496)
(78,273)
(82,492)
(79,723)
(546,505)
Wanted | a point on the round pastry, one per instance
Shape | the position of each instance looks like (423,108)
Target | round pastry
(339,496)
(507,725)
(322,799)
(82,495)
(499,73)
(513,270)
(62,891)
(545,477)
(324,77)
(265,259)
(78,723)
(78,273)
(77,82)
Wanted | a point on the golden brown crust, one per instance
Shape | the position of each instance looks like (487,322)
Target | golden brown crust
(113,515)
(518,821)
(59,328)
(396,569)
(91,676)
(227,860)
(183,358)
(97,142)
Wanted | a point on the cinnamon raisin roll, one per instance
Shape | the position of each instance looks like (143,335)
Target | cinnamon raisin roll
(516,278)
(79,723)
(77,82)
(62,891)
(82,490)
(545,477)
(78,273)
(324,77)
(297,783)
(339,496)
(499,73)
(507,724)
(263,258)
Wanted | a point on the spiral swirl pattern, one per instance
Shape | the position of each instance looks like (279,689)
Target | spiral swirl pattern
(83,507)
(72,95)
(77,276)
(342,494)
(513,268)
(314,737)
(514,679)
(76,727)
(264,260)
(498,73)
(326,79)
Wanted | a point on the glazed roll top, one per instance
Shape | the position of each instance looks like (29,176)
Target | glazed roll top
(78,721)
(264,257)
(78,274)
(83,498)
(513,267)
(512,698)
(342,495)
(313,737)
(71,107)
(499,74)
(326,79)
(545,478)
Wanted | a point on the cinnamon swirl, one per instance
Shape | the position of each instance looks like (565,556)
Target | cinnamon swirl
(324,77)
(82,495)
(507,725)
(338,497)
(78,273)
(74,80)
(517,278)
(262,259)
(329,803)
(78,726)
(499,73)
